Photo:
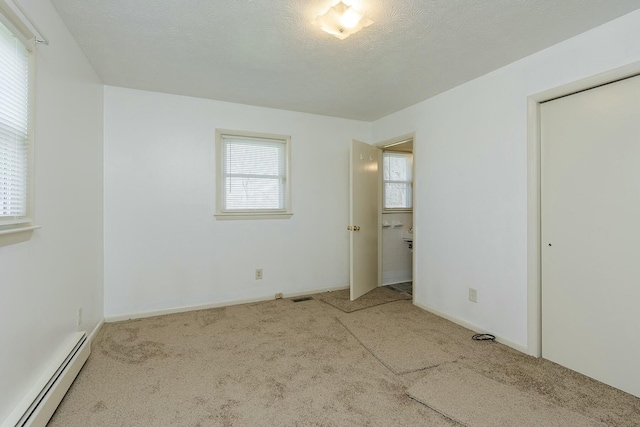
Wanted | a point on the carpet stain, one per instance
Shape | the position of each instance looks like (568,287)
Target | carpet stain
(276,389)
(209,317)
(524,381)
(153,388)
(226,413)
(98,407)
(273,355)
(328,369)
(122,344)
(127,334)
(277,363)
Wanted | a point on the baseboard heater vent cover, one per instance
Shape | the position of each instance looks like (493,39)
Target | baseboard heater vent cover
(40,403)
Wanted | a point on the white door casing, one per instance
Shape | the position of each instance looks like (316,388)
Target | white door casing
(590,218)
(363,216)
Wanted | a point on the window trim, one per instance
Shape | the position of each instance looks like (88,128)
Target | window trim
(396,210)
(253,214)
(21,230)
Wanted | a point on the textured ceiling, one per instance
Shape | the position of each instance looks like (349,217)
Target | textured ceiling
(267,52)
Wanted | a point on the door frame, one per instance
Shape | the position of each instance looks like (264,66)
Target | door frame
(380,145)
(534,227)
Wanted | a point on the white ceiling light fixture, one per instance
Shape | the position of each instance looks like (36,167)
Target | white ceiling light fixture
(342,20)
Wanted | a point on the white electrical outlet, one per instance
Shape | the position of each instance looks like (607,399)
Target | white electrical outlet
(258,273)
(79,316)
(473,295)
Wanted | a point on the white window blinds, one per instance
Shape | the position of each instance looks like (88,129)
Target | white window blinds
(398,180)
(14,126)
(254,174)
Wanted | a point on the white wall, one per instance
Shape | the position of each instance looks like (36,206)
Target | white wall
(471,177)
(396,255)
(164,248)
(43,281)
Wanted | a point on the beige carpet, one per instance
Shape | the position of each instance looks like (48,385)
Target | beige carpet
(472,399)
(275,363)
(378,296)
(293,364)
(539,377)
(393,341)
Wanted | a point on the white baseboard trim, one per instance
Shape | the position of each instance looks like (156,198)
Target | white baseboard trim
(473,327)
(227,303)
(95,331)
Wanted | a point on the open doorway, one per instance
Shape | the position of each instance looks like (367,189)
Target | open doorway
(381,216)
(396,215)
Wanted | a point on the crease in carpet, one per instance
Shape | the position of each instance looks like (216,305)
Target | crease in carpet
(291,364)
(382,362)
(341,299)
(274,363)
(403,353)
(399,335)
(474,400)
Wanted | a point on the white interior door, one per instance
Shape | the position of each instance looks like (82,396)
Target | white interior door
(591,233)
(363,217)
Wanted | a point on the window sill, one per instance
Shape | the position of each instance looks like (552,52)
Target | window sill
(248,215)
(394,211)
(11,236)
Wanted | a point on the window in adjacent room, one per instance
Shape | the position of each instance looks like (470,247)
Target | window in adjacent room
(253,177)
(15,142)
(397,180)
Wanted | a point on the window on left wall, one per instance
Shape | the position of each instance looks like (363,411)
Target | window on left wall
(15,132)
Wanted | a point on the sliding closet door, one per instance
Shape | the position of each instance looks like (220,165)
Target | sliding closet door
(591,233)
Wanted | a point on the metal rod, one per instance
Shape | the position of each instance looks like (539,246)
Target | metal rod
(39,37)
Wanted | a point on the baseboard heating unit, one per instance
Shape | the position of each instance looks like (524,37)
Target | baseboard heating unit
(40,403)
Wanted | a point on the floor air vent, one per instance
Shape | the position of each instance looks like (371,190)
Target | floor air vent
(302,299)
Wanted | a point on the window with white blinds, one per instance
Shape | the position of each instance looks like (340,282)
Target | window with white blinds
(254,173)
(398,180)
(14,129)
